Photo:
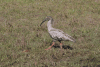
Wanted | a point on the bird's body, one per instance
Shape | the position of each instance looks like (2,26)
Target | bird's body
(56,34)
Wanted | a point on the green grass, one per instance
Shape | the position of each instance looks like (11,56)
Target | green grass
(20,30)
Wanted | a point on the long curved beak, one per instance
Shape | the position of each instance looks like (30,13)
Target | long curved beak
(43,21)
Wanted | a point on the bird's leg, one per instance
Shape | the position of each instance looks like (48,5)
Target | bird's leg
(61,45)
(50,46)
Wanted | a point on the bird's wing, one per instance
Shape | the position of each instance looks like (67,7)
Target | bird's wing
(60,35)
(55,33)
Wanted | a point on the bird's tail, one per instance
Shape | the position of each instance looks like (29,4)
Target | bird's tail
(71,38)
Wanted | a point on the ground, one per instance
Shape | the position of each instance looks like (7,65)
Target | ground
(23,41)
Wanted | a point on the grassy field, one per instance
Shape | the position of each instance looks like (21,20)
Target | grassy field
(20,31)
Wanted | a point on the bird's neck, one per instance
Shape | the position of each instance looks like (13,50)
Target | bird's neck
(49,25)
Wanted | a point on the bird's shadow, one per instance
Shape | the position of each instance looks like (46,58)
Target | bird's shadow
(64,46)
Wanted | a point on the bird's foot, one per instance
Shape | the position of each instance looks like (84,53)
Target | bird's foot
(25,50)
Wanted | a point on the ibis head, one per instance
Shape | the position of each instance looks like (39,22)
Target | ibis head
(47,19)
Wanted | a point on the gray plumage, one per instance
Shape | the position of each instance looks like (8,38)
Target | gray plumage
(56,34)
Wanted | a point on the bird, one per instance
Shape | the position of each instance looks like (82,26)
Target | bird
(56,34)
